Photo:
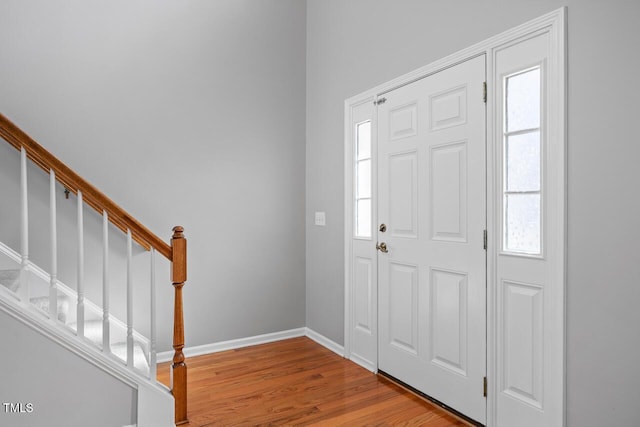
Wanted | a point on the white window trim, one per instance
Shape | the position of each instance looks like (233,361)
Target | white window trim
(555,24)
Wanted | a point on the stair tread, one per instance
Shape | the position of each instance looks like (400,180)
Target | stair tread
(119,348)
(93,332)
(43,304)
(140,361)
(10,279)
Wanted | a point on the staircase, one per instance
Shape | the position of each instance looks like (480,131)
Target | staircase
(40,300)
(93,324)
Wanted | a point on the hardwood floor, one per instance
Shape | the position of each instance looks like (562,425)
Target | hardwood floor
(297,382)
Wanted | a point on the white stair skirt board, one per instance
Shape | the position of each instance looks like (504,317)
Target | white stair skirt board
(167,356)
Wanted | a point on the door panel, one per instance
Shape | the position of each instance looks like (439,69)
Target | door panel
(403,194)
(448,201)
(403,121)
(403,307)
(449,320)
(431,195)
(523,342)
(448,108)
(362,278)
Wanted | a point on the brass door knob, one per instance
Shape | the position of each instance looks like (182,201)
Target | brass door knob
(382,247)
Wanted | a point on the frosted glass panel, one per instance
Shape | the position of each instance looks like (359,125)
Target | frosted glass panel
(523,162)
(523,101)
(363,218)
(522,223)
(364,179)
(364,140)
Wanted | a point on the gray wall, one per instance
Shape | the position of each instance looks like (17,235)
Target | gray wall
(63,389)
(189,113)
(357,44)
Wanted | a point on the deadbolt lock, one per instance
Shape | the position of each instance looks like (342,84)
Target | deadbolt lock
(383,227)
(382,247)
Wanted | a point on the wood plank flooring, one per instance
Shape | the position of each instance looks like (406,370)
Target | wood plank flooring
(297,382)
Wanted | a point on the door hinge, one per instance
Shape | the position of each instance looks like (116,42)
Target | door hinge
(484,387)
(484,239)
(380,101)
(484,92)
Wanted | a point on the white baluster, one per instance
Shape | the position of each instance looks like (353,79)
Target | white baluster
(106,346)
(152,344)
(53,288)
(80,306)
(24,229)
(129,300)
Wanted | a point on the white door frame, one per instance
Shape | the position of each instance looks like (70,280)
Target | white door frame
(554,24)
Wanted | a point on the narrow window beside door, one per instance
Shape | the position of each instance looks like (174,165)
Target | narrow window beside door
(363,180)
(522,189)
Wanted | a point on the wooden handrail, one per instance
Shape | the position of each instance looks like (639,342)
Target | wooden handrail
(74,182)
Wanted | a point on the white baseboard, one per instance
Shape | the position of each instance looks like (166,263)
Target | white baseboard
(167,356)
(324,341)
(199,350)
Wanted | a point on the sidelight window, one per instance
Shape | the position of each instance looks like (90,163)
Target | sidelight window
(363,180)
(522,159)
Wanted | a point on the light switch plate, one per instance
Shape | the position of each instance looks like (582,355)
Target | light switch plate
(320,218)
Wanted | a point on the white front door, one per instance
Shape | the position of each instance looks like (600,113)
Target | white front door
(432,200)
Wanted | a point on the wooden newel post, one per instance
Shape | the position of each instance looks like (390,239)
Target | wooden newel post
(179,367)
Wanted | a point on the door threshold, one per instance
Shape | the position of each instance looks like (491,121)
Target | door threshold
(430,399)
